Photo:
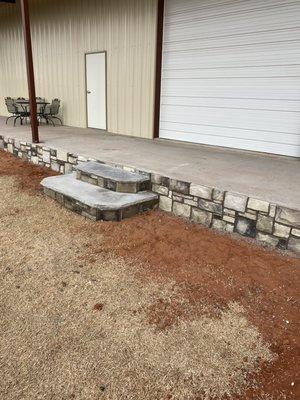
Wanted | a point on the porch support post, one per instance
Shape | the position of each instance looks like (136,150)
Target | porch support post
(159,49)
(30,71)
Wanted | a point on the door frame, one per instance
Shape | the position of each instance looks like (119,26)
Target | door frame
(85,88)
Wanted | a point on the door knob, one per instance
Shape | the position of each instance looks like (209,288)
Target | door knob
(88,92)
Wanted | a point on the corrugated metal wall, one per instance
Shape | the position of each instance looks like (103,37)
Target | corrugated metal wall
(62,31)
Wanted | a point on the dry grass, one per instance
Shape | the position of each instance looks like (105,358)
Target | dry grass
(55,345)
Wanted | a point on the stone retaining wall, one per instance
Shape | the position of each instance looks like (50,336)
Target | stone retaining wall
(269,223)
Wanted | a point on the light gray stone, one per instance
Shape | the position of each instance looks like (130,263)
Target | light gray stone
(294,244)
(288,216)
(231,213)
(272,210)
(249,214)
(68,168)
(160,189)
(72,159)
(296,232)
(258,205)
(1,144)
(55,166)
(201,191)
(267,239)
(193,203)
(10,148)
(227,218)
(62,155)
(201,217)
(222,225)
(34,160)
(181,210)
(46,156)
(218,195)
(282,231)
(265,224)
(235,201)
(165,203)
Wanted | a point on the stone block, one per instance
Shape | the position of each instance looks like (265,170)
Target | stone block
(267,239)
(10,148)
(160,180)
(193,203)
(201,217)
(160,189)
(165,203)
(68,168)
(53,152)
(235,201)
(245,227)
(288,216)
(231,213)
(294,244)
(272,210)
(55,166)
(282,231)
(258,205)
(35,160)
(227,218)
(46,156)
(249,214)
(72,159)
(296,232)
(218,195)
(221,225)
(181,210)
(210,206)
(201,191)
(180,186)
(62,155)
(265,223)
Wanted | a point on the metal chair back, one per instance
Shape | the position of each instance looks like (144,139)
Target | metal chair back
(10,105)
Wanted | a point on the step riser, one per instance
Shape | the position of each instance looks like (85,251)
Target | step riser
(101,215)
(121,187)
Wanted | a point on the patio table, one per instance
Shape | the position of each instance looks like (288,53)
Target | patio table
(25,104)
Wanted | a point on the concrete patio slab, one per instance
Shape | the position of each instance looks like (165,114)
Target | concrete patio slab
(262,176)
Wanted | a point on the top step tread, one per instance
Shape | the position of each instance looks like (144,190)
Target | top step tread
(111,173)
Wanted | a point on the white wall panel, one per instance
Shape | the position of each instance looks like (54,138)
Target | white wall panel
(62,31)
(231,74)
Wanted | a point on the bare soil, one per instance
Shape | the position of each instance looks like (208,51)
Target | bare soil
(185,312)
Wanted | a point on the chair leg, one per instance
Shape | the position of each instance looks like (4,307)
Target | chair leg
(12,116)
(52,122)
(16,120)
(58,119)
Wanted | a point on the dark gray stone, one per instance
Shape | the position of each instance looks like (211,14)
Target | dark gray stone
(180,186)
(245,227)
(210,206)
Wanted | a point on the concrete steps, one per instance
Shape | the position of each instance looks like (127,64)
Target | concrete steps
(100,203)
(112,178)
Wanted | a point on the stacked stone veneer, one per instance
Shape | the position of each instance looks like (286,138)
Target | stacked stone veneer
(272,224)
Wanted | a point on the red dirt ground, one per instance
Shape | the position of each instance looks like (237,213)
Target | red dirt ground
(211,269)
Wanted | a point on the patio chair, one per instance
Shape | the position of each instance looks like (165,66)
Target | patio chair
(51,111)
(40,107)
(11,108)
(23,112)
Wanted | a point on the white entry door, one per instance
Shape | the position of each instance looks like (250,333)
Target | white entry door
(231,74)
(96,90)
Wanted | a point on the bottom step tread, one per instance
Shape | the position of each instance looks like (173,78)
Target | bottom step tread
(94,197)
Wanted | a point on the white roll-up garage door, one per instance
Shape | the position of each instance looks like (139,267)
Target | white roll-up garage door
(231,74)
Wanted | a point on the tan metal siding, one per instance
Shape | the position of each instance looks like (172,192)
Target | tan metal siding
(62,31)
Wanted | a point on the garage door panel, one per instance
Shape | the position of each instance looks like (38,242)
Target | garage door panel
(231,74)
(239,119)
(221,132)
(276,71)
(222,25)
(280,88)
(232,103)
(249,39)
(177,8)
(268,147)
(259,55)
